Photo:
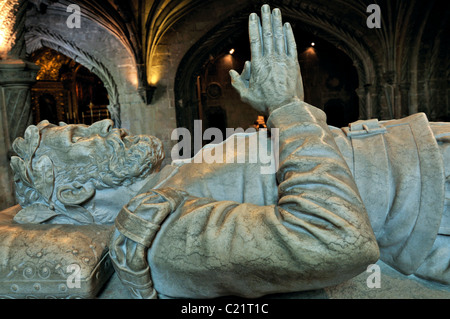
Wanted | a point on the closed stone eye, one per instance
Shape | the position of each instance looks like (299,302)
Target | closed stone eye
(76,138)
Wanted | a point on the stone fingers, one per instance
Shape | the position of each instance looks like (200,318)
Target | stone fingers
(291,46)
(278,32)
(254,30)
(267,30)
(238,83)
(268,35)
(246,72)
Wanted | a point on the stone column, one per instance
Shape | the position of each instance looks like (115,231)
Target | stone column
(16,78)
(405,99)
(362,97)
(367,96)
(389,85)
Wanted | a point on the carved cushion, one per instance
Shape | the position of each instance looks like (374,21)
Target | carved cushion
(52,261)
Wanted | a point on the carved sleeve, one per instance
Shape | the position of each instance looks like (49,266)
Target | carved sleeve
(317,235)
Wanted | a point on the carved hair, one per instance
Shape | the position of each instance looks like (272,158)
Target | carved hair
(37,170)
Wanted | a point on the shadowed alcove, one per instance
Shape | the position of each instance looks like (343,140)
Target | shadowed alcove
(66,91)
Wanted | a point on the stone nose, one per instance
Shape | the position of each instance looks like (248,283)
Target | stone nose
(102,127)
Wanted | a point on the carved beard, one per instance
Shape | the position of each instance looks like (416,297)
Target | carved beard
(132,156)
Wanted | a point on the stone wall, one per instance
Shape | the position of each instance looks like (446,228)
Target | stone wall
(6,182)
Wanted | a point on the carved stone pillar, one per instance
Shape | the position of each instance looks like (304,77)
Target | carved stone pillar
(389,85)
(16,78)
(405,99)
(367,97)
(362,97)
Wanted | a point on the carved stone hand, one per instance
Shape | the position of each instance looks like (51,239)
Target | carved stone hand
(272,78)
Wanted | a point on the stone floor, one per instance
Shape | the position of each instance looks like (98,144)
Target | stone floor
(392,285)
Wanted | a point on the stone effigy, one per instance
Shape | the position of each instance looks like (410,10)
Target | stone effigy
(339,199)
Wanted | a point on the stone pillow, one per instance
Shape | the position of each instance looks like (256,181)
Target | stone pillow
(52,261)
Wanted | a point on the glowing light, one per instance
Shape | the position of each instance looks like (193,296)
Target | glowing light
(310,51)
(228,61)
(7,19)
(154,78)
(133,79)
(231,51)
(154,74)
(313,44)
(310,54)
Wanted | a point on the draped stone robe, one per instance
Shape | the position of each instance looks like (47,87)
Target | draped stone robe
(204,230)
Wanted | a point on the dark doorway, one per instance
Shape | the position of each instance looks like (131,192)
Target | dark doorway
(47,107)
(66,91)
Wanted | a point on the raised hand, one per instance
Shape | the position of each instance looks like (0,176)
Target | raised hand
(272,78)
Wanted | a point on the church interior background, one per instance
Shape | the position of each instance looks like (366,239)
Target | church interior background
(153,66)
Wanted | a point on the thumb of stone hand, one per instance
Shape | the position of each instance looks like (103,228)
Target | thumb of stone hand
(242,85)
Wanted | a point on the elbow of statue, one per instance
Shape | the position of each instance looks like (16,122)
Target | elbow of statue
(375,251)
(349,257)
(370,247)
(359,245)
(371,251)
(362,256)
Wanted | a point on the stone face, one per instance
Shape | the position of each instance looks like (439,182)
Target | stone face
(72,173)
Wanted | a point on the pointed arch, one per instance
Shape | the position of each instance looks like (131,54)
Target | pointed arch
(38,37)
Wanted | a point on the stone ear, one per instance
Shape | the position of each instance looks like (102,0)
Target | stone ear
(75,194)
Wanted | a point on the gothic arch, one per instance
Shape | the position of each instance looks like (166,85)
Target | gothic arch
(38,37)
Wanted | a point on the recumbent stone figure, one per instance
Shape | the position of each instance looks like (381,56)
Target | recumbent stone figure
(339,200)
